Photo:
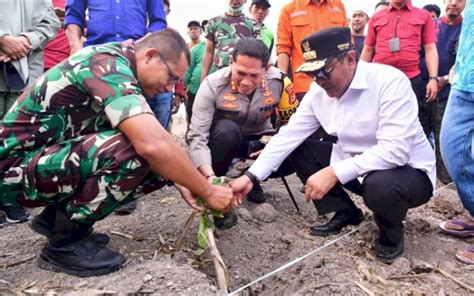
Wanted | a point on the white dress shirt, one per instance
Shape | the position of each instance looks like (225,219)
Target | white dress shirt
(375,120)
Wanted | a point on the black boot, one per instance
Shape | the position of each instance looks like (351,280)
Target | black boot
(127,208)
(256,195)
(390,243)
(70,248)
(45,223)
(229,220)
(341,219)
(387,252)
(81,258)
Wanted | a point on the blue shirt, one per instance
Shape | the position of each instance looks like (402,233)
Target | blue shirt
(447,45)
(116,20)
(464,69)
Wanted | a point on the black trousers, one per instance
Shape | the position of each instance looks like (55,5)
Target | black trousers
(425,109)
(189,105)
(227,142)
(387,193)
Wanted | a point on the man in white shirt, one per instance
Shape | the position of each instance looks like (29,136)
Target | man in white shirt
(372,111)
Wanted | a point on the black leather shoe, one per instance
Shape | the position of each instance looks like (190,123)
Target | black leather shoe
(229,220)
(40,225)
(256,195)
(82,258)
(340,220)
(388,254)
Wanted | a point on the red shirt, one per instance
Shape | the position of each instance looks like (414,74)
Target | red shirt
(57,49)
(412,25)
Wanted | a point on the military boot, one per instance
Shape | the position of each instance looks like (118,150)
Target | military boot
(81,258)
(229,220)
(71,248)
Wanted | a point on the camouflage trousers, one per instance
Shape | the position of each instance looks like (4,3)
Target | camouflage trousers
(95,173)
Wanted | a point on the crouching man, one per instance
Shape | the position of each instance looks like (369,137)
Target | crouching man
(83,141)
(372,111)
(233,108)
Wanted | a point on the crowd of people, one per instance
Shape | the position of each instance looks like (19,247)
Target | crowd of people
(87,89)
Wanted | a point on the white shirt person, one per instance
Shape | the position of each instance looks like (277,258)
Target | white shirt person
(372,112)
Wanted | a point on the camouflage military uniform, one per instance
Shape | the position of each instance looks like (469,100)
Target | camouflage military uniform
(61,142)
(224,31)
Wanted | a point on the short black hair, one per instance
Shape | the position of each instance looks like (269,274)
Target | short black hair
(204,24)
(433,7)
(194,23)
(168,42)
(253,48)
(381,3)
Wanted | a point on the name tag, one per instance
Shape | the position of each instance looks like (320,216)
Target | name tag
(298,13)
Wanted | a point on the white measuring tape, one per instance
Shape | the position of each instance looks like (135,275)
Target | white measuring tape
(299,259)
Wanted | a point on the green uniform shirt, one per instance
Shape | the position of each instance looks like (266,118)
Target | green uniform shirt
(192,78)
(92,91)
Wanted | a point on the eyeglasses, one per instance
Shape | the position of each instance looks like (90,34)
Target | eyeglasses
(172,78)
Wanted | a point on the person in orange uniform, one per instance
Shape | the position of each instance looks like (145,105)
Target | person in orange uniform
(298,19)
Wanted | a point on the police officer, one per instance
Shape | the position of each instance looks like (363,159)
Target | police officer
(233,108)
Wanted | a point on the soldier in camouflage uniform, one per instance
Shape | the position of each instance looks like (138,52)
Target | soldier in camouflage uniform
(83,141)
(232,112)
(222,32)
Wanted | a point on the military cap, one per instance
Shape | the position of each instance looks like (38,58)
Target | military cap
(320,46)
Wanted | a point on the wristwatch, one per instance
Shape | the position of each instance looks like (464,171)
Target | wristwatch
(252,177)
(434,78)
(446,78)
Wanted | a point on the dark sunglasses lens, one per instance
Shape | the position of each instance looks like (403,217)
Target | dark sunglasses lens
(320,74)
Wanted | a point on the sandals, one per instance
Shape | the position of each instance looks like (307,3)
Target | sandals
(468,230)
(466,256)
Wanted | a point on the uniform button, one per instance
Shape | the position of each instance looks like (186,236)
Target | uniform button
(117,17)
(117,1)
(117,35)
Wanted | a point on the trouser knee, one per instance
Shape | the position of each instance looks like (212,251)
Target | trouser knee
(310,157)
(224,141)
(384,196)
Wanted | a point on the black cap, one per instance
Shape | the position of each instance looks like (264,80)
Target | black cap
(194,23)
(323,44)
(266,2)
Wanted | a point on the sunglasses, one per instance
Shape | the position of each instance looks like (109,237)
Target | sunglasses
(172,78)
(323,72)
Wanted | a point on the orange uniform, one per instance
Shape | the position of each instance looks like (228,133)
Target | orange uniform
(300,18)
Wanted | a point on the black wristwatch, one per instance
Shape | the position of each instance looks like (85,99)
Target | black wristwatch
(434,78)
(252,177)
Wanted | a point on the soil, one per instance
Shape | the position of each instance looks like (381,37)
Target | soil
(266,237)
